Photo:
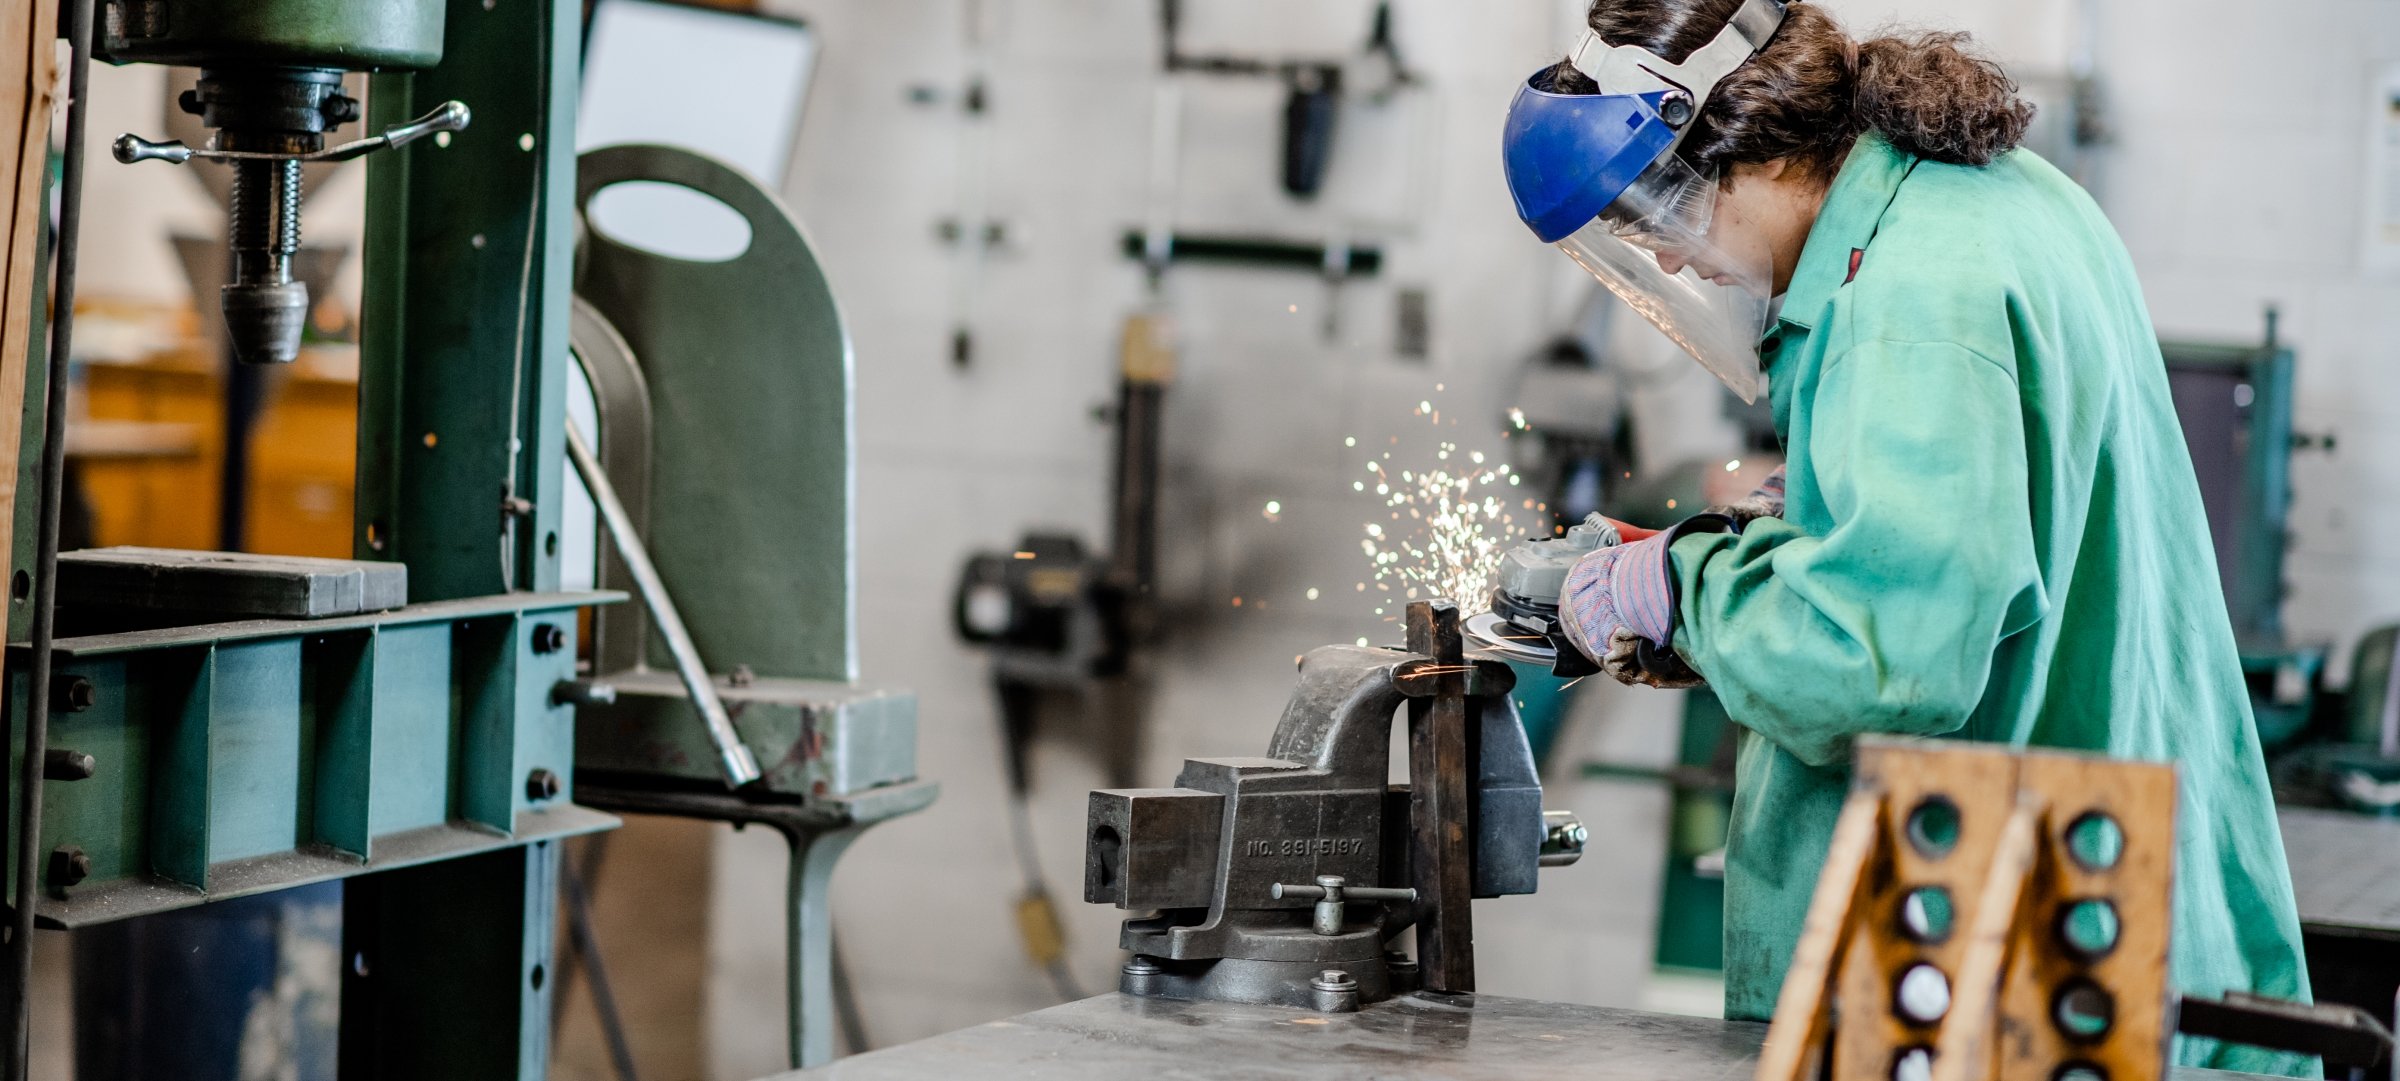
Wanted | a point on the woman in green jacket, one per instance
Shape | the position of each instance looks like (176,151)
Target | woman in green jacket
(1988,527)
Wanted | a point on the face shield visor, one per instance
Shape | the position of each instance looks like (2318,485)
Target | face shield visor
(1598,175)
(1652,249)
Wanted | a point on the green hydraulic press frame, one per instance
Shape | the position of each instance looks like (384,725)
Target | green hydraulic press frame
(421,754)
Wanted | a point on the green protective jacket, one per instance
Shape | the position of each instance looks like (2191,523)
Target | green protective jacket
(1991,532)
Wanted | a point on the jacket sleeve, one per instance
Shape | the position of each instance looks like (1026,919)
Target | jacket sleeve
(1886,621)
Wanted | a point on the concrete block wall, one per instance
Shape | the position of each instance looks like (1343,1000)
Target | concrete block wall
(2235,178)
(960,459)
(2238,181)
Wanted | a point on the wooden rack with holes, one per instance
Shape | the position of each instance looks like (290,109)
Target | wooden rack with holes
(1985,915)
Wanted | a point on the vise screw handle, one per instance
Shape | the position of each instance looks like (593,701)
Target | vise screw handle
(1330,893)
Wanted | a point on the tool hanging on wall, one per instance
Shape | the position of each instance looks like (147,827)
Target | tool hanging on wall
(1069,629)
(1989,914)
(1315,90)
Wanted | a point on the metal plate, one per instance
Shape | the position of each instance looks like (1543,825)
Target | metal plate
(1499,1039)
(748,371)
(229,585)
(2343,869)
(812,738)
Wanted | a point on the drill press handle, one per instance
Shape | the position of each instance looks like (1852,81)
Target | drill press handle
(449,116)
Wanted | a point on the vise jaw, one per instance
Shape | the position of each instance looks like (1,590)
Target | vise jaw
(1282,880)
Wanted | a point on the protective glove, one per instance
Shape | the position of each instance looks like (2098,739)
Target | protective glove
(1765,502)
(1618,607)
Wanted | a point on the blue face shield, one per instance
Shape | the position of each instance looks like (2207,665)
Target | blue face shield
(1598,175)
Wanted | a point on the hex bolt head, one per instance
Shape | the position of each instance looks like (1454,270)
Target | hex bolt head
(541,784)
(73,694)
(548,638)
(1142,966)
(68,866)
(1334,979)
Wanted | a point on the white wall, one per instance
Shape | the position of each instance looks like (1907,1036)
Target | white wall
(2235,179)
(2235,182)
(953,461)
(2238,182)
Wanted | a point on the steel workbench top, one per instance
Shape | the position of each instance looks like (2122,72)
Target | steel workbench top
(1500,1039)
(2345,871)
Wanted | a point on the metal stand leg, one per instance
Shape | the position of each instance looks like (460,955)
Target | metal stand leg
(818,832)
(808,941)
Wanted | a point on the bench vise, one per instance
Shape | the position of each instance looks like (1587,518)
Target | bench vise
(1284,880)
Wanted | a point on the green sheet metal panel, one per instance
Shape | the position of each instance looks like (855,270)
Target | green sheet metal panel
(72,811)
(544,732)
(337,678)
(168,693)
(415,730)
(258,754)
(749,372)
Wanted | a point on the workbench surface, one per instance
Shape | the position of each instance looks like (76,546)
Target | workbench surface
(1499,1039)
(2345,871)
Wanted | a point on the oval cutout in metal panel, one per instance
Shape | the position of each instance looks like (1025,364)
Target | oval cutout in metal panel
(659,218)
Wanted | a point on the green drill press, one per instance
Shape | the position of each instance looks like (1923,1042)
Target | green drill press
(240,726)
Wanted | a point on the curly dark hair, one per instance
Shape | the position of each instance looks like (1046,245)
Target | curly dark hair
(1813,90)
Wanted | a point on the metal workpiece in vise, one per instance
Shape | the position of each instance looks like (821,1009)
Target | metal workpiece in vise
(271,87)
(1284,879)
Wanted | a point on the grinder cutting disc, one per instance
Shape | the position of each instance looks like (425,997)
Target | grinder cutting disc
(1488,631)
(1523,622)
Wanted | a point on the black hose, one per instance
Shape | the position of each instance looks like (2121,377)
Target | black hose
(45,561)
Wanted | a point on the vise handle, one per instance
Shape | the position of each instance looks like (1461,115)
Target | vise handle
(1330,893)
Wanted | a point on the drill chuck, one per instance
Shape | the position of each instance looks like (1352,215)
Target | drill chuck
(265,308)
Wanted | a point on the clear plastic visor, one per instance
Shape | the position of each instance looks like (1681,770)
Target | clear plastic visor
(1653,250)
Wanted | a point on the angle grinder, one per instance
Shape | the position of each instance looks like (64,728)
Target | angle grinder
(1523,623)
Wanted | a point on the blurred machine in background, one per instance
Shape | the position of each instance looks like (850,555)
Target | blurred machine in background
(743,551)
(1070,631)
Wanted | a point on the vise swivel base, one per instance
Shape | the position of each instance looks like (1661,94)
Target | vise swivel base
(1283,880)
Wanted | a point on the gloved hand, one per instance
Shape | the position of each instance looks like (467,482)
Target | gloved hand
(1618,608)
(1765,502)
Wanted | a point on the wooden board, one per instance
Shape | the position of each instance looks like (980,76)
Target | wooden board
(28,78)
(1991,972)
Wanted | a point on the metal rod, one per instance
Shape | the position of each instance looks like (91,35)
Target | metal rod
(45,562)
(587,947)
(734,756)
(1439,773)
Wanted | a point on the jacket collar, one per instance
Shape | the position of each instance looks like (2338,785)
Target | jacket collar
(1868,182)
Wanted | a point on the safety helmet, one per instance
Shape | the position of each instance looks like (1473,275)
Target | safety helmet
(1599,175)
